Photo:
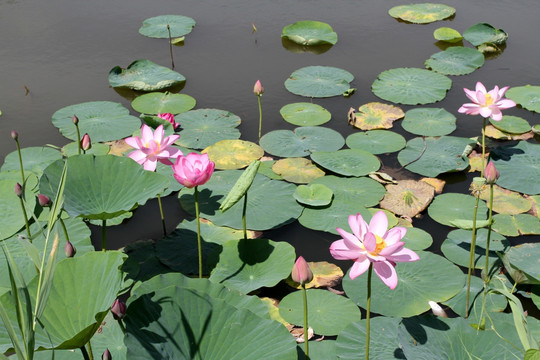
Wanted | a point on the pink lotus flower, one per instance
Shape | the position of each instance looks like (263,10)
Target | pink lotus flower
(170,118)
(258,88)
(487,104)
(491,173)
(373,244)
(153,147)
(193,169)
(301,272)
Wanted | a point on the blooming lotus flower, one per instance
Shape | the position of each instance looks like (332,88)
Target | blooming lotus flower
(153,147)
(193,169)
(169,118)
(301,272)
(375,244)
(487,104)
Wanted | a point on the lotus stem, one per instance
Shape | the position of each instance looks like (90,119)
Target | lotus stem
(198,229)
(79,146)
(20,158)
(306,328)
(26,224)
(244,209)
(260,116)
(104,235)
(90,352)
(64,228)
(368,308)
(471,256)
(483,148)
(170,47)
(162,216)
(486,279)
(84,353)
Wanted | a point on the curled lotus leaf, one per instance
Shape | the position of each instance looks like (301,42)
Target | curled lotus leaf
(310,32)
(144,75)
(447,34)
(233,154)
(407,197)
(422,13)
(376,115)
(483,33)
(297,170)
(325,274)
(506,201)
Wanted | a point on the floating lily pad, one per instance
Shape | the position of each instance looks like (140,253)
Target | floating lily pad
(376,141)
(429,122)
(407,197)
(325,274)
(204,127)
(506,201)
(12,219)
(417,239)
(144,75)
(319,81)
(297,170)
(363,191)
(432,278)
(516,225)
(158,102)
(233,154)
(265,168)
(348,162)
(511,124)
(482,33)
(457,60)
(376,115)
(102,120)
(302,141)
(328,313)
(526,257)
(310,32)
(447,34)
(447,208)
(305,114)
(411,86)
(422,13)
(494,133)
(35,159)
(527,96)
(433,156)
(313,195)
(511,160)
(156,27)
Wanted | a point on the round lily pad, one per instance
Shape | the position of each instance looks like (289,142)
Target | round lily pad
(422,13)
(144,75)
(204,127)
(511,124)
(516,225)
(527,96)
(447,34)
(102,120)
(310,32)
(494,133)
(376,141)
(482,33)
(447,208)
(411,86)
(297,170)
(313,195)
(348,162)
(376,115)
(417,239)
(506,201)
(513,159)
(407,197)
(319,81)
(302,141)
(35,159)
(429,122)
(305,114)
(418,283)
(156,27)
(328,313)
(158,102)
(233,154)
(433,156)
(457,60)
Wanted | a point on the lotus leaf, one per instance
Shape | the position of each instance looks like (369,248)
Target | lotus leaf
(348,162)
(438,184)
(319,350)
(266,169)
(157,102)
(319,81)
(297,170)
(73,149)
(494,133)
(512,124)
(457,60)
(144,75)
(363,191)
(447,34)
(429,122)
(35,159)
(483,33)
(325,274)
(12,219)
(302,141)
(417,239)
(422,13)
(313,195)
(527,96)
(156,27)
(327,218)
(407,197)
(376,115)
(511,160)
(204,127)
(411,86)
(447,208)
(516,225)
(233,154)
(506,201)
(305,114)
(310,32)
(376,141)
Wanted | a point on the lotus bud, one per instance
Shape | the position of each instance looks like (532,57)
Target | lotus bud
(86,143)
(301,273)
(118,309)
(75,119)
(70,250)
(14,135)
(43,200)
(106,355)
(258,88)
(18,190)
(169,118)
(491,173)
(437,309)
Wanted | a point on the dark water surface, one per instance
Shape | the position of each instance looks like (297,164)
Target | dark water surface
(62,51)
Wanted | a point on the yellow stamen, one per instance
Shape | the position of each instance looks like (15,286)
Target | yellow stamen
(489,100)
(381,244)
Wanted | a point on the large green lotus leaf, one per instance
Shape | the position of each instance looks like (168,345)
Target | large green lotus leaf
(432,278)
(73,149)
(363,191)
(429,122)
(310,32)
(448,208)
(527,96)
(263,197)
(233,154)
(422,13)
(302,141)
(158,102)
(456,60)
(457,245)
(204,127)
(319,81)
(319,350)
(376,115)
(265,168)
(417,239)
(411,86)
(526,257)
(447,34)
(181,323)
(209,232)
(348,162)
(383,344)
(297,170)
(102,187)
(248,264)
(482,33)
(511,160)
(144,75)
(313,195)
(102,120)
(430,337)
(376,141)
(407,197)
(174,185)
(305,114)
(35,159)
(156,27)
(516,225)
(12,219)
(432,156)
(511,124)
(506,201)
(328,313)
(142,263)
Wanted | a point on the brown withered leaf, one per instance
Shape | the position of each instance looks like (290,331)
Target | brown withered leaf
(408,197)
(325,274)
(376,115)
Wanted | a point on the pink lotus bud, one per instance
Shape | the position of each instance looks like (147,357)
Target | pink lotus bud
(169,118)
(491,173)
(258,88)
(69,250)
(18,190)
(75,119)
(14,135)
(86,143)
(106,355)
(43,200)
(118,309)
(301,273)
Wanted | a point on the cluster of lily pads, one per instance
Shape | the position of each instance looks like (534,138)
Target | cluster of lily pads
(311,179)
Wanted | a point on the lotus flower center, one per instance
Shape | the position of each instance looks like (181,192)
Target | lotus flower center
(381,244)
(489,100)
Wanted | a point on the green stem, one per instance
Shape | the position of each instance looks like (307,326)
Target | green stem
(471,257)
(170,47)
(64,228)
(260,116)
(25,219)
(368,308)
(90,352)
(244,216)
(84,353)
(104,235)
(486,279)
(483,148)
(306,328)
(198,230)
(162,216)
(20,159)
(79,146)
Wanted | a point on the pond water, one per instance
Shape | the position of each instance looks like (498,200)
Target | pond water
(57,53)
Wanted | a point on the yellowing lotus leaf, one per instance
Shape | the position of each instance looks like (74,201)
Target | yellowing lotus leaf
(325,274)
(273,309)
(118,147)
(535,210)
(297,170)
(376,115)
(408,197)
(494,133)
(506,201)
(475,161)
(438,184)
(233,154)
